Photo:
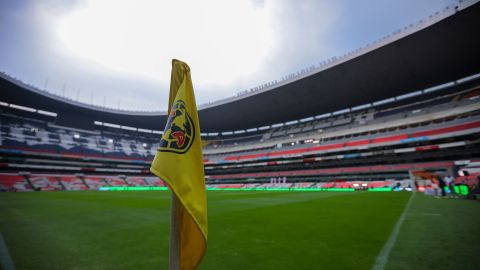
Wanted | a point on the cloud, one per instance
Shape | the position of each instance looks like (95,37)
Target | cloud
(300,34)
(218,39)
(122,49)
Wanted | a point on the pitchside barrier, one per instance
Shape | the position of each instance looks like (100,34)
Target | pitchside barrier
(250,189)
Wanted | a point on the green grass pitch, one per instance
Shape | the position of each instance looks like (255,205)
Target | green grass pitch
(247,230)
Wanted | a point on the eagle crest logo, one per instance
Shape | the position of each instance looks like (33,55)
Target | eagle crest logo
(179,132)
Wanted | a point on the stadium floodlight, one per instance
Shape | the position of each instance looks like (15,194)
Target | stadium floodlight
(307,119)
(144,145)
(323,115)
(412,94)
(47,113)
(110,140)
(111,125)
(128,128)
(388,100)
(264,128)
(341,111)
(76,136)
(23,108)
(469,78)
(291,122)
(361,107)
(438,87)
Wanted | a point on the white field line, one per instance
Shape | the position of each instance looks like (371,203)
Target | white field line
(382,257)
(5,258)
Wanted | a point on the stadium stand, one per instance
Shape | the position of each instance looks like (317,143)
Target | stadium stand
(373,141)
(369,146)
(14,182)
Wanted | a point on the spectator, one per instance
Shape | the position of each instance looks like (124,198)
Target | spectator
(475,190)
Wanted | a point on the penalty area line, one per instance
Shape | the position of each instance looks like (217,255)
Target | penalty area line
(5,258)
(382,257)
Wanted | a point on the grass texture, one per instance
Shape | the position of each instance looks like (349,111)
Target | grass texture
(247,230)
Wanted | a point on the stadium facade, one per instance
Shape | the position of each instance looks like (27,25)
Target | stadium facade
(403,107)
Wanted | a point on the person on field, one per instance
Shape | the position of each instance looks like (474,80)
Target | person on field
(449,182)
(442,185)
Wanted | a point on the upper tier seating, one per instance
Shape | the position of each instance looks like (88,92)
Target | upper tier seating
(17,134)
(345,128)
(445,115)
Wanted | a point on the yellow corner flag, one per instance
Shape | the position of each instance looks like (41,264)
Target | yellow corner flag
(179,163)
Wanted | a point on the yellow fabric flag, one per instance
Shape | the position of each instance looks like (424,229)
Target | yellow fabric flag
(179,163)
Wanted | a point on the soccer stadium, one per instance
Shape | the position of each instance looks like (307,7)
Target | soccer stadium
(341,165)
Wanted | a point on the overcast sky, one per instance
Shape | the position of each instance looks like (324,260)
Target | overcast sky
(119,52)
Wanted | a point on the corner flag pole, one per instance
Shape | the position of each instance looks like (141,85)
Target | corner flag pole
(174,255)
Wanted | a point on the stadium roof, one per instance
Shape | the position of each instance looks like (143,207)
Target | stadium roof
(438,50)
